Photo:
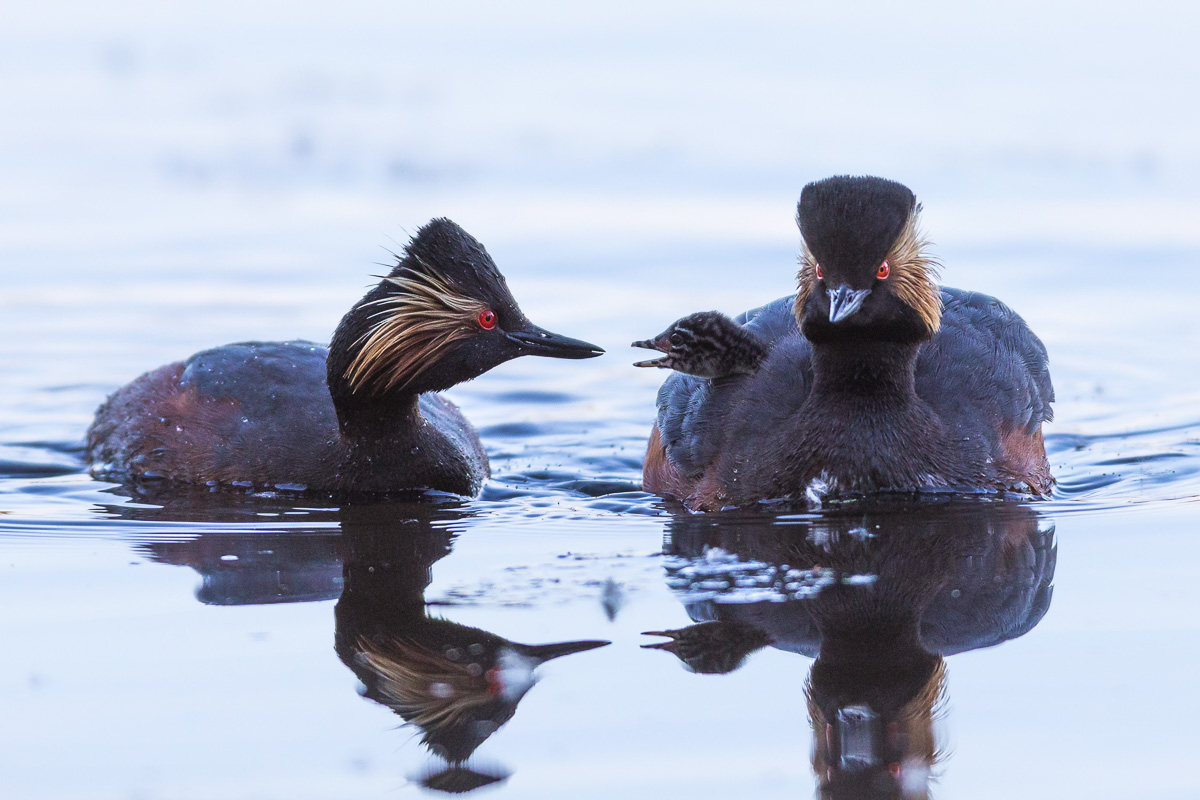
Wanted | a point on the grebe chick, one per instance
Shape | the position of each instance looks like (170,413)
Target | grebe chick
(712,648)
(706,344)
(877,379)
(363,416)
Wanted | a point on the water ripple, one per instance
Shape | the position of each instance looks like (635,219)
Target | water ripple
(570,469)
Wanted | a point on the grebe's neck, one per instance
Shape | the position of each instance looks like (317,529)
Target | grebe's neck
(384,443)
(863,370)
(894,641)
(368,421)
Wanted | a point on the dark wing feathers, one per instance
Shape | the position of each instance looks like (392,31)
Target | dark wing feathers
(689,421)
(986,354)
(282,412)
(773,321)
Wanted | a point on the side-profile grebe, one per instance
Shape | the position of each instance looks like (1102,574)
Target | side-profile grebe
(874,378)
(360,417)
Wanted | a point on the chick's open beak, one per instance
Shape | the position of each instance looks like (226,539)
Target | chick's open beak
(662,345)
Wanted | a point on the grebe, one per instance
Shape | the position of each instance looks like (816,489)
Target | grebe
(362,416)
(876,378)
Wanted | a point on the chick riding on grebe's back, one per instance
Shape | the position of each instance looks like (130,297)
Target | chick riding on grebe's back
(363,416)
(706,344)
(874,378)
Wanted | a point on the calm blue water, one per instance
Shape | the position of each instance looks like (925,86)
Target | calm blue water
(179,178)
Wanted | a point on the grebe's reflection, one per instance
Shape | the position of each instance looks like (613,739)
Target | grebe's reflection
(457,684)
(296,563)
(878,598)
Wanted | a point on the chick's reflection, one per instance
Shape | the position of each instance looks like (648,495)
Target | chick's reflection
(457,684)
(878,599)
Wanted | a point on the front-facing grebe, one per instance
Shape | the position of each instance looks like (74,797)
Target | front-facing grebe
(876,378)
(363,416)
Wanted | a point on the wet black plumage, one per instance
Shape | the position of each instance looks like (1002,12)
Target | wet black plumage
(871,383)
(362,416)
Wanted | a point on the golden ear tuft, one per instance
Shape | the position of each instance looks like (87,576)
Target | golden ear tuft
(915,272)
(411,329)
(806,278)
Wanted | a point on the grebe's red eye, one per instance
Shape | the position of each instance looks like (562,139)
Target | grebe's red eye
(820,275)
(487,319)
(885,269)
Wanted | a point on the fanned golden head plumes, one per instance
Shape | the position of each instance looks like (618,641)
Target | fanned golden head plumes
(422,685)
(443,315)
(411,329)
(806,279)
(914,273)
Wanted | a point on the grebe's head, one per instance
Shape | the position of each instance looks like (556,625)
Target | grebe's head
(442,316)
(865,270)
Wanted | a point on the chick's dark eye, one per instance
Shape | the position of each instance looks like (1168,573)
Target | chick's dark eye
(676,339)
(487,319)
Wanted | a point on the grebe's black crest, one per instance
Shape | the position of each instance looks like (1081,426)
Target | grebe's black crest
(707,344)
(865,270)
(442,316)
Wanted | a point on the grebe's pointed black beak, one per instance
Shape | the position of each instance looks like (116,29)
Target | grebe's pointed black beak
(545,652)
(535,341)
(844,301)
